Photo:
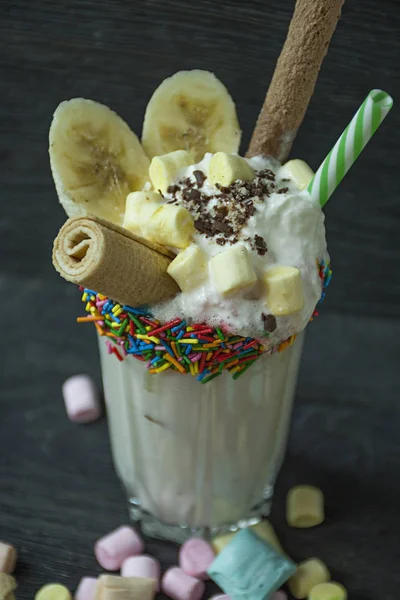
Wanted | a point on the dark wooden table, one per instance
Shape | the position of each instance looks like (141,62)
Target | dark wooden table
(58,491)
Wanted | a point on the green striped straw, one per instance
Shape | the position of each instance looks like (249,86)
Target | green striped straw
(350,145)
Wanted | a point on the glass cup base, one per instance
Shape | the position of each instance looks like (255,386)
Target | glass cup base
(153,527)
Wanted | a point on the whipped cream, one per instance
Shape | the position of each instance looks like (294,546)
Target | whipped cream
(278,224)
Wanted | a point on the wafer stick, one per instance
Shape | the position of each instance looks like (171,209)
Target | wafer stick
(296,72)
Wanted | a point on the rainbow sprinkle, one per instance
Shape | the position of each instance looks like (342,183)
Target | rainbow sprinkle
(325,274)
(196,349)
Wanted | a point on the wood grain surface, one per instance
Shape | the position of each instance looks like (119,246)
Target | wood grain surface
(58,492)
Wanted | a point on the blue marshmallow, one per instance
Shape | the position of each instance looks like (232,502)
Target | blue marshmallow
(249,568)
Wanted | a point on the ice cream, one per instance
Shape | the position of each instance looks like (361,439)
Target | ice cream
(249,243)
(251,263)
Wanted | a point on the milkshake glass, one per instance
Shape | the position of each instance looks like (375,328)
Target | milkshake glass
(195,457)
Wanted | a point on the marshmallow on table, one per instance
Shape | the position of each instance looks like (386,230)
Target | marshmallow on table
(299,171)
(86,589)
(139,207)
(164,169)
(142,566)
(220,541)
(53,591)
(195,557)
(249,568)
(8,558)
(285,294)
(309,573)
(170,225)
(7,586)
(305,506)
(279,595)
(179,586)
(111,587)
(81,399)
(189,268)
(267,533)
(112,549)
(232,270)
(328,591)
(225,168)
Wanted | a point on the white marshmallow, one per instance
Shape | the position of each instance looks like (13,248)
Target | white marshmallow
(164,169)
(284,290)
(232,270)
(225,168)
(139,208)
(170,225)
(298,171)
(189,268)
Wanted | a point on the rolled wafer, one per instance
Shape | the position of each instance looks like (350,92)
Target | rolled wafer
(295,76)
(106,258)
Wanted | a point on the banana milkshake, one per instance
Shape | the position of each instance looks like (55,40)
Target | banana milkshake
(207,456)
(198,424)
(200,270)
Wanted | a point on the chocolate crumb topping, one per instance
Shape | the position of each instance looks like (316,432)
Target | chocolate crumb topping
(269,322)
(188,183)
(267,174)
(193,194)
(200,177)
(223,214)
(223,227)
(260,245)
(283,190)
(172,189)
(221,241)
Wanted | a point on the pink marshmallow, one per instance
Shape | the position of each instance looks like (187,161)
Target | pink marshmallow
(179,586)
(86,589)
(112,549)
(81,399)
(8,558)
(142,566)
(195,557)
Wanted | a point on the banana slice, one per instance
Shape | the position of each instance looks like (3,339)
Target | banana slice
(96,160)
(193,111)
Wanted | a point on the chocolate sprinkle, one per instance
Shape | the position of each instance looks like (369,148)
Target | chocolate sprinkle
(269,322)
